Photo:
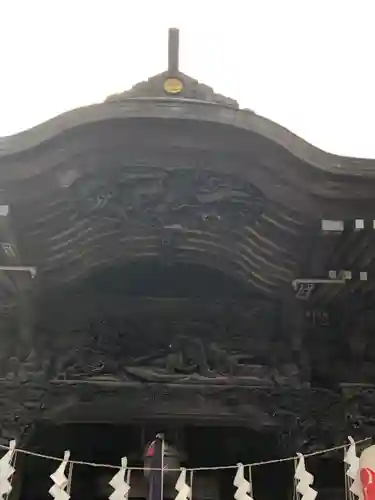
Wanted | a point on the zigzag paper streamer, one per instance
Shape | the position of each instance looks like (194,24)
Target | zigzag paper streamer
(7,470)
(352,460)
(304,480)
(59,489)
(183,489)
(243,486)
(119,483)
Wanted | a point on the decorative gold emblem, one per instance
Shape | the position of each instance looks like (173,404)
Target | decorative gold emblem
(173,86)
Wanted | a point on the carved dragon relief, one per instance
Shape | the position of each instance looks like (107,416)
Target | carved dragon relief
(216,348)
(156,197)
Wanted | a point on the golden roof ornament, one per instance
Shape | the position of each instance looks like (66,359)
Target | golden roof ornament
(172,83)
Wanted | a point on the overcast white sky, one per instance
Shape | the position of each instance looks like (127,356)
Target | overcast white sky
(306,64)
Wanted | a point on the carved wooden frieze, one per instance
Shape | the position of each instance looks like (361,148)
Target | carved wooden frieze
(213,344)
(179,198)
(304,419)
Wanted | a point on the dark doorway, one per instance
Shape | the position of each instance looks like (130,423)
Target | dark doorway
(198,446)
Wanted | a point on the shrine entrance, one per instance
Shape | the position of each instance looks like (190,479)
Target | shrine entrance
(147,347)
(197,445)
(164,257)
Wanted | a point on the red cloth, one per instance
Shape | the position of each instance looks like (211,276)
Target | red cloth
(150,450)
(368,483)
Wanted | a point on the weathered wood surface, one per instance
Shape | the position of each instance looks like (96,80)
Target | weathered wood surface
(305,419)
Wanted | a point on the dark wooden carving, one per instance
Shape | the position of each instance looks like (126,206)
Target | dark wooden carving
(173,199)
(193,341)
(230,366)
(302,419)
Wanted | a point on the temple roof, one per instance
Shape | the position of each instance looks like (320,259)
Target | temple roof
(172,94)
(186,87)
(171,184)
(174,146)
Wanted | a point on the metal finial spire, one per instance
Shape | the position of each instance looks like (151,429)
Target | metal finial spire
(173,51)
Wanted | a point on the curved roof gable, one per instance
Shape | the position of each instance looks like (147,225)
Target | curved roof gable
(180,86)
(174,95)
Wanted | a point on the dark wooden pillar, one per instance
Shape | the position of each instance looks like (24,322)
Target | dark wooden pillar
(295,328)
